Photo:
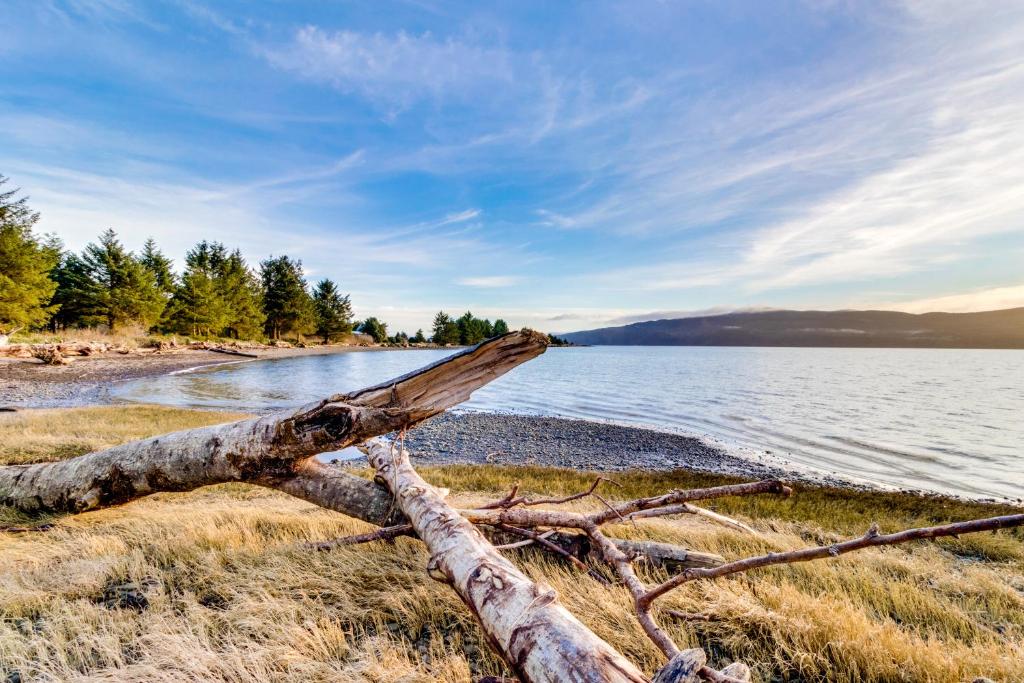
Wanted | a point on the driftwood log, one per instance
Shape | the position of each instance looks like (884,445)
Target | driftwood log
(524,622)
(277,450)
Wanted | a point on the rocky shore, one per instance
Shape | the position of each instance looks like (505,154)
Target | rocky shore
(502,439)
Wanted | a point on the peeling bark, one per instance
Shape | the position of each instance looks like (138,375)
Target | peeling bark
(538,638)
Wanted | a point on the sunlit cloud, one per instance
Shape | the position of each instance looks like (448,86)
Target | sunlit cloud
(990,299)
(488,281)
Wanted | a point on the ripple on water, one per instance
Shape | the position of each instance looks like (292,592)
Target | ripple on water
(937,419)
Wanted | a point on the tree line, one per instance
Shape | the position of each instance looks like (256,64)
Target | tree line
(217,294)
(43,285)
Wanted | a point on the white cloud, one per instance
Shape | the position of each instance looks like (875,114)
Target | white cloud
(460,217)
(393,68)
(489,281)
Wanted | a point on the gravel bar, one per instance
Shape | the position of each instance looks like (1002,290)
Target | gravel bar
(503,439)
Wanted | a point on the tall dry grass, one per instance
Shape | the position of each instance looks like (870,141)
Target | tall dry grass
(231,594)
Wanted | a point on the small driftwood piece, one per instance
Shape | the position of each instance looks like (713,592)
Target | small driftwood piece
(231,352)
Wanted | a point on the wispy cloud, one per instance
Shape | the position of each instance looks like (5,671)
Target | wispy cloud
(489,281)
(460,217)
(392,68)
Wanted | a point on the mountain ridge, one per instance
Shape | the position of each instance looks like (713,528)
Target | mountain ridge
(998,329)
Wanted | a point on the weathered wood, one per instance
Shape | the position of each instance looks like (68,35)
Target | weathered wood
(737,670)
(671,557)
(275,450)
(538,638)
(683,668)
(231,352)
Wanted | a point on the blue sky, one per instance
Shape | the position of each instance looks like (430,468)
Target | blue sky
(563,165)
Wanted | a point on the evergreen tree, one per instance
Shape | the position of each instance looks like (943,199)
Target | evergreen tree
(153,260)
(445,330)
(333,311)
(473,330)
(418,338)
(239,290)
(71,298)
(500,327)
(117,289)
(376,329)
(26,287)
(286,303)
(198,308)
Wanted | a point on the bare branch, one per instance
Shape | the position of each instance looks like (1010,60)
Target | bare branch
(540,540)
(689,495)
(511,501)
(869,540)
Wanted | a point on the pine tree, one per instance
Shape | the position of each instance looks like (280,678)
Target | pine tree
(376,329)
(239,290)
(333,311)
(197,307)
(117,289)
(72,296)
(153,260)
(286,303)
(445,330)
(26,263)
(500,327)
(473,330)
(418,338)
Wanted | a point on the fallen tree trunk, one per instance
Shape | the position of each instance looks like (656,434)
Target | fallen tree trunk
(538,638)
(276,450)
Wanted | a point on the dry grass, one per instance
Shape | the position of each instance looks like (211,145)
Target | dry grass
(232,595)
(132,336)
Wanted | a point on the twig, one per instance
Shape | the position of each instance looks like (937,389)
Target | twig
(688,509)
(523,544)
(511,501)
(686,496)
(692,616)
(537,538)
(386,534)
(27,529)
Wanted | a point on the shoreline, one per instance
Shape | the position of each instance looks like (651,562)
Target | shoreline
(455,437)
(26,383)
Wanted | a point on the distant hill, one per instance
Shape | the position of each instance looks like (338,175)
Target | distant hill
(985,330)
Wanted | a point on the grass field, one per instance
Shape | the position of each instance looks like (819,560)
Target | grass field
(216,584)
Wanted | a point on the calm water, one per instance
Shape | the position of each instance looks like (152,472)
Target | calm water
(942,420)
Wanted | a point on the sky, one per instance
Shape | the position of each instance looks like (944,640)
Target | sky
(562,165)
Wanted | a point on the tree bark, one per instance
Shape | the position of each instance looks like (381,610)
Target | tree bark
(275,450)
(538,638)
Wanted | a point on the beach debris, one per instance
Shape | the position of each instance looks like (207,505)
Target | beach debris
(49,355)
